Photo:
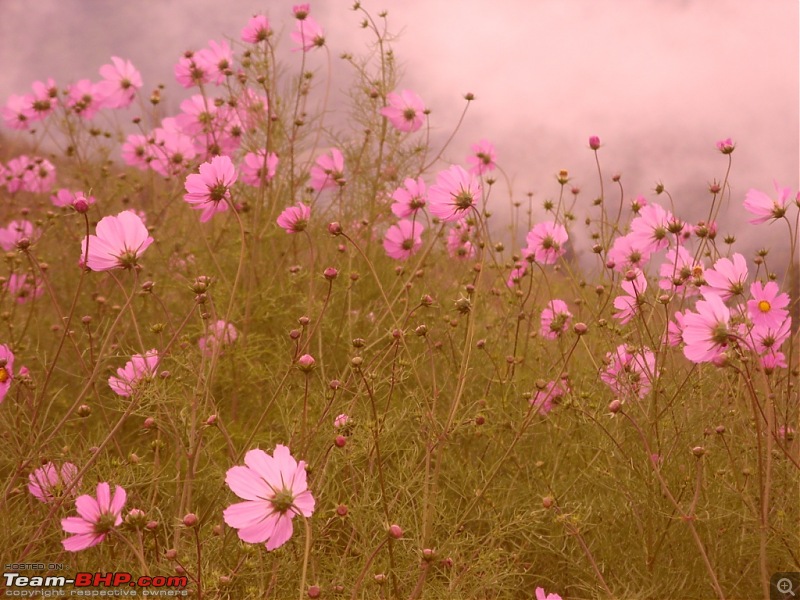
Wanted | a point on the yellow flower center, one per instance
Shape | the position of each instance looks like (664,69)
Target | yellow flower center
(764,306)
(3,375)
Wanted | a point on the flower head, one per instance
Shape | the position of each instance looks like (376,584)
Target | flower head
(455,193)
(540,593)
(96,518)
(294,219)
(328,172)
(767,308)
(307,34)
(219,334)
(555,319)
(48,482)
(119,242)
(403,239)
(120,82)
(727,278)
(406,111)
(630,373)
(6,370)
(544,399)
(546,243)
(275,490)
(459,244)
(258,166)
(628,303)
(256,30)
(138,369)
(482,158)
(707,332)
(765,208)
(209,190)
(410,198)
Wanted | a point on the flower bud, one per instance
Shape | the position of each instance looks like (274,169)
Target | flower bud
(395,532)
(190,520)
(614,406)
(334,228)
(306,363)
(594,142)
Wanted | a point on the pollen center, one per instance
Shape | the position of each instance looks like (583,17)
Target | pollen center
(764,306)
(3,375)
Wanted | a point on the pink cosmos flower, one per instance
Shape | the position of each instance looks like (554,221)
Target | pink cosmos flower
(707,333)
(138,369)
(555,319)
(458,241)
(546,243)
(726,146)
(482,158)
(23,287)
(544,399)
(136,151)
(11,234)
(767,307)
(39,177)
(172,150)
(120,82)
(679,271)
(540,593)
(17,112)
(628,304)
(216,60)
(15,172)
(406,111)
(275,490)
(209,190)
(307,34)
(630,373)
(85,98)
(258,166)
(328,172)
(220,334)
(516,275)
(403,239)
(628,252)
(48,482)
(675,329)
(341,421)
(97,517)
(652,227)
(295,218)
(119,242)
(301,11)
(409,199)
(765,208)
(189,72)
(44,98)
(766,340)
(6,370)
(727,278)
(454,195)
(257,30)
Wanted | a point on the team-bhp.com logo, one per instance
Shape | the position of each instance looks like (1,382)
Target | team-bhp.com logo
(86,584)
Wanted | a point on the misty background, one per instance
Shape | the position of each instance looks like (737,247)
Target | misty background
(660,81)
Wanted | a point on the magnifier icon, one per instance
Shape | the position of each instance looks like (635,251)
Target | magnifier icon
(785,586)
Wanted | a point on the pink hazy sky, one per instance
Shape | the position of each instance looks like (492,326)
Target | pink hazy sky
(660,81)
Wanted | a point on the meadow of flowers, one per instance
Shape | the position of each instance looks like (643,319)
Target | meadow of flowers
(285,352)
